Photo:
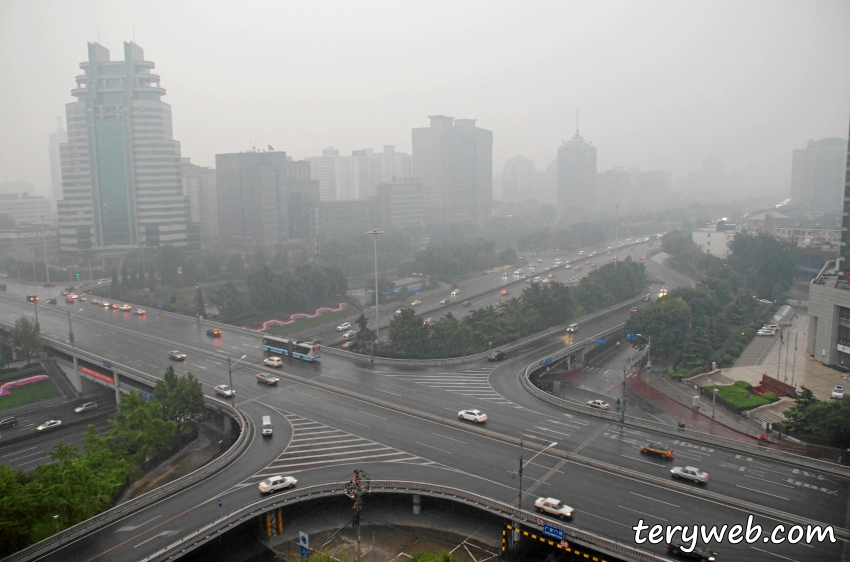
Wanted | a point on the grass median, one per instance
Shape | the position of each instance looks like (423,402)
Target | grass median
(35,392)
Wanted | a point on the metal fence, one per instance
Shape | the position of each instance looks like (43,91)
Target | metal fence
(222,525)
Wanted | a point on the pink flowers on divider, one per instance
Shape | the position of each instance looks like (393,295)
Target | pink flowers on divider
(269,323)
(4,388)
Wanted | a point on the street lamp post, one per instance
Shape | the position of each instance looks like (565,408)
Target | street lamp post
(375,232)
(713,399)
(230,375)
(44,247)
(70,329)
(523,464)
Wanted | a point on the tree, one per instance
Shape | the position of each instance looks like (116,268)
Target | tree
(25,337)
(181,400)
(18,510)
(231,301)
(140,429)
(365,337)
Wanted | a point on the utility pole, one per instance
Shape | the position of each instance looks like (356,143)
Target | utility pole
(357,485)
(44,246)
(616,231)
(70,329)
(519,499)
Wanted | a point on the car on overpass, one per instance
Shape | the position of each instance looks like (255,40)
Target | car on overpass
(554,507)
(572,328)
(273,361)
(691,473)
(657,448)
(223,390)
(274,483)
(49,425)
(476,416)
(497,355)
(267,378)
(176,355)
(214,333)
(699,552)
(599,404)
(85,407)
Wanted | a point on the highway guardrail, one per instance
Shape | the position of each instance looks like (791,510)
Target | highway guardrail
(213,530)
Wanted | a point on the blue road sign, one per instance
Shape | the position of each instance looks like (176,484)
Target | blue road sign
(304,543)
(600,341)
(630,337)
(548,361)
(219,503)
(159,304)
(106,364)
(553,532)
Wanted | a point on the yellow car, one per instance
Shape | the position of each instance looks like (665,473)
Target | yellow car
(658,449)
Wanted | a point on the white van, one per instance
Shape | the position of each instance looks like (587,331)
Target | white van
(456,292)
(267,425)
(572,328)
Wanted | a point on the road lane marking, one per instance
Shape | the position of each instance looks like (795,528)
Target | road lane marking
(641,512)
(373,415)
(606,519)
(162,534)
(432,447)
(134,527)
(774,554)
(386,392)
(358,423)
(17,452)
(450,438)
(654,499)
(641,460)
(769,481)
(760,492)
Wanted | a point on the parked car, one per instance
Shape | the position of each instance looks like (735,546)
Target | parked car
(554,507)
(689,473)
(764,332)
(176,355)
(344,326)
(223,390)
(838,392)
(274,483)
(85,407)
(273,361)
(497,356)
(48,425)
(599,404)
(476,416)
(267,378)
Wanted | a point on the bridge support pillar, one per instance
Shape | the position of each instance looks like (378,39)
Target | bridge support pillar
(75,376)
(515,536)
(117,385)
(417,504)
(556,388)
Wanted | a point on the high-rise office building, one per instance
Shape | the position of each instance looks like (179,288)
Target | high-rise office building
(263,197)
(199,189)
(576,174)
(121,183)
(356,177)
(454,160)
(400,203)
(56,138)
(395,166)
(522,180)
(817,174)
(829,293)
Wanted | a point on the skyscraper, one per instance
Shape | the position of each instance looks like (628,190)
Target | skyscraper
(454,160)
(817,174)
(199,188)
(56,138)
(576,174)
(121,182)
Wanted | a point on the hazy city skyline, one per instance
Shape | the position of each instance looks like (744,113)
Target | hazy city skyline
(658,85)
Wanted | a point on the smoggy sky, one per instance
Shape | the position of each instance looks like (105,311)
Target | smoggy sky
(658,85)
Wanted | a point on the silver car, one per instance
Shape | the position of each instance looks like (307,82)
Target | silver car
(689,473)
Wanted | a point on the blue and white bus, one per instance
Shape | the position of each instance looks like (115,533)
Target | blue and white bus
(291,348)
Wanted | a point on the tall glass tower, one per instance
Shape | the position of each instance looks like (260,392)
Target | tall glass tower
(121,179)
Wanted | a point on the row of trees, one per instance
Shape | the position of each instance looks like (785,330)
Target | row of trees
(77,486)
(451,260)
(825,422)
(539,307)
(692,327)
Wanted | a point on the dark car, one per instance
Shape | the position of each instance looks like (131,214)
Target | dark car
(497,356)
(8,422)
(48,284)
(316,341)
(700,552)
(633,309)
(214,332)
(2,287)
(32,298)
(50,301)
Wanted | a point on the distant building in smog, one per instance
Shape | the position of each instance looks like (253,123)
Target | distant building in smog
(576,174)
(355,177)
(714,240)
(55,139)
(199,189)
(263,197)
(522,180)
(817,174)
(24,209)
(121,185)
(633,187)
(454,160)
(400,203)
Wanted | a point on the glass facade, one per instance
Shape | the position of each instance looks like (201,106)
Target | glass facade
(112,175)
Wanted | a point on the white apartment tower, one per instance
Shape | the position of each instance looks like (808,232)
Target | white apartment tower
(121,184)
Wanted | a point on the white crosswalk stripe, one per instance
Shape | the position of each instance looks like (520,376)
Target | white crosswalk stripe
(472,382)
(316,445)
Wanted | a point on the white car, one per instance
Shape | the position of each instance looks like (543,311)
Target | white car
(456,292)
(537,279)
(572,328)
(48,425)
(224,390)
(598,404)
(472,415)
(273,361)
(349,334)
(85,407)
(838,392)
(764,332)
(275,483)
(773,327)
(344,326)
(415,303)
(518,272)
(126,307)
(689,473)
(554,507)
(504,274)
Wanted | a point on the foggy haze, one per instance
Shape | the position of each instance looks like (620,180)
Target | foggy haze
(658,85)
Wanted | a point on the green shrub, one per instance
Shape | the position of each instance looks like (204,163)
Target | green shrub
(744,384)
(727,360)
(738,347)
(770,397)
(735,352)
(696,371)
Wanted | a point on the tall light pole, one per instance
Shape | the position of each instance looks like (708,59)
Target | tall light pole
(713,400)
(70,329)
(375,232)
(230,375)
(44,247)
(616,231)
(523,464)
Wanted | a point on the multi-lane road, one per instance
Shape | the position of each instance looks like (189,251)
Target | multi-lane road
(321,435)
